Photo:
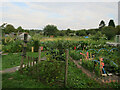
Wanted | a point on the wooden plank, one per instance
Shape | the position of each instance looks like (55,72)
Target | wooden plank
(39,54)
(66,67)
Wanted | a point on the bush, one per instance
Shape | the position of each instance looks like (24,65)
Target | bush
(109,32)
(75,55)
(50,72)
(36,45)
(13,47)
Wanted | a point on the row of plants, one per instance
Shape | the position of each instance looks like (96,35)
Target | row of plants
(88,64)
(49,72)
(111,60)
(12,45)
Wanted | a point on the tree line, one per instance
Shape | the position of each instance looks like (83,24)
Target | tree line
(109,30)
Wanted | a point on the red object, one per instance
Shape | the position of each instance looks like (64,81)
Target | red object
(41,48)
(82,54)
(102,64)
(87,55)
(75,48)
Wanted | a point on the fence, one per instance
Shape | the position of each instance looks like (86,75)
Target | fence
(29,61)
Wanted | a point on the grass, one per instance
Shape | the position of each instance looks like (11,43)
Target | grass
(61,38)
(16,80)
(12,60)
(77,79)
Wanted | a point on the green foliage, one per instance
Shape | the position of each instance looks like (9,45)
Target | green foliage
(20,29)
(111,23)
(9,28)
(91,31)
(50,30)
(48,72)
(109,32)
(75,55)
(118,30)
(13,46)
(36,45)
(81,33)
(97,36)
(97,69)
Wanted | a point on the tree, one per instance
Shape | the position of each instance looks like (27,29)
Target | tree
(10,28)
(97,36)
(50,30)
(118,30)
(81,33)
(20,29)
(91,31)
(68,31)
(111,23)
(109,31)
(102,24)
(3,27)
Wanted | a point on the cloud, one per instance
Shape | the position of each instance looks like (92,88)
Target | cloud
(64,15)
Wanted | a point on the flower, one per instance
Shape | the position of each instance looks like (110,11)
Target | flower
(75,48)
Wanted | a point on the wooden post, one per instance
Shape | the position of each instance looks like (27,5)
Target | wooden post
(33,61)
(66,67)
(39,54)
(24,51)
(32,49)
(5,40)
(21,64)
(28,61)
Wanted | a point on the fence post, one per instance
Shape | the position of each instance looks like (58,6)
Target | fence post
(33,61)
(21,64)
(39,54)
(66,67)
(24,51)
(28,60)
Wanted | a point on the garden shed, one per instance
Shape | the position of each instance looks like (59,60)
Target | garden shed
(21,36)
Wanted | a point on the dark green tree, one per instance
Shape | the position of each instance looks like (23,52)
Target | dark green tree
(3,27)
(10,28)
(111,23)
(118,30)
(81,33)
(102,24)
(109,31)
(68,31)
(50,30)
(20,29)
(91,31)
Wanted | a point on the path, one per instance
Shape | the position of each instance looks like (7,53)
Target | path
(101,80)
(14,69)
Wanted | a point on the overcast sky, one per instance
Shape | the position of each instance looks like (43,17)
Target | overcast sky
(73,15)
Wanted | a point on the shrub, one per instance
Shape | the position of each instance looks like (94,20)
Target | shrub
(36,45)
(50,72)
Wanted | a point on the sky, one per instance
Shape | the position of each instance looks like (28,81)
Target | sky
(73,15)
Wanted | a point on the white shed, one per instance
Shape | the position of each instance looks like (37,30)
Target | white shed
(21,37)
